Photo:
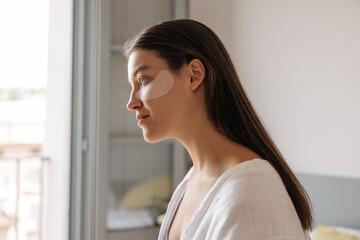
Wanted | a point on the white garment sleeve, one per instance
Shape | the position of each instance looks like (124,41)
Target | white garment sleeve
(253,211)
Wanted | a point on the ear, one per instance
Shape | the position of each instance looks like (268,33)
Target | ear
(197,74)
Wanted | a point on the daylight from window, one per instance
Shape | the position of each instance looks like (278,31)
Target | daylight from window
(23,73)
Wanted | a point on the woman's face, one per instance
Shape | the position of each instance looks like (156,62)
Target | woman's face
(158,96)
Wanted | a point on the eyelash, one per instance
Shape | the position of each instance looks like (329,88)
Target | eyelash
(142,78)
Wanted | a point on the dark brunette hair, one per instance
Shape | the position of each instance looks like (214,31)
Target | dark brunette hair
(228,107)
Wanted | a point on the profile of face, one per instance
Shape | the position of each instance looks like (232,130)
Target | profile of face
(160,97)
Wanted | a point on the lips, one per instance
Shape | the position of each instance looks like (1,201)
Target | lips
(141,116)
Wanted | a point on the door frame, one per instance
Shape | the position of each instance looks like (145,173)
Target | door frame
(88,199)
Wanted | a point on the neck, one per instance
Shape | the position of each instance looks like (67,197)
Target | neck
(211,152)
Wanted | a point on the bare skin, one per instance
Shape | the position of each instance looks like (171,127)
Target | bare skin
(186,121)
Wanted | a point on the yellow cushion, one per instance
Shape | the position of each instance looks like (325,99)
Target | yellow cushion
(327,233)
(152,192)
(160,219)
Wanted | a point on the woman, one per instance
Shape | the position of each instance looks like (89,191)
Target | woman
(184,86)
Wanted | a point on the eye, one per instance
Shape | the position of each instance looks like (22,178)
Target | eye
(142,80)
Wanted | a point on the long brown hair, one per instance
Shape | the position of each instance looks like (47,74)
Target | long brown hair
(228,107)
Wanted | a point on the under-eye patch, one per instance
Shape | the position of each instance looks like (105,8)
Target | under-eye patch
(158,87)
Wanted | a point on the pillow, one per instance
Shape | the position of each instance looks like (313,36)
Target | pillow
(323,232)
(160,219)
(154,192)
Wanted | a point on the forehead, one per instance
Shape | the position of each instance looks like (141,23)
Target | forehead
(144,60)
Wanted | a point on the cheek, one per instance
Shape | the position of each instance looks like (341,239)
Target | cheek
(158,87)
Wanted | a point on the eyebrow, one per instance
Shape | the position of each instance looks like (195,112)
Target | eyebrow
(137,70)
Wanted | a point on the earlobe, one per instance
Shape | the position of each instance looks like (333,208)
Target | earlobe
(195,83)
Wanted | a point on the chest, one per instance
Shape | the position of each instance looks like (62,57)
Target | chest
(189,204)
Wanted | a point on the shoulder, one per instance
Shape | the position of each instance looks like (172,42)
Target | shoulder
(253,197)
(254,184)
(251,179)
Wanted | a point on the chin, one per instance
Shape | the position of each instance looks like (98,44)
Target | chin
(152,138)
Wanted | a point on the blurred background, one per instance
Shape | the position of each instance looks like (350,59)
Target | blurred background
(23,76)
(73,163)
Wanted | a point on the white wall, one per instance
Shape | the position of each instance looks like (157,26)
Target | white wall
(300,64)
(58,121)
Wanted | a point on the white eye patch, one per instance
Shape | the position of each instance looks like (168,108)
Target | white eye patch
(158,87)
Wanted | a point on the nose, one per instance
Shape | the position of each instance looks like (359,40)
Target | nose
(134,103)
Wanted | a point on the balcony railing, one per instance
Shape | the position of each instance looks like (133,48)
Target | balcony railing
(28,133)
(21,197)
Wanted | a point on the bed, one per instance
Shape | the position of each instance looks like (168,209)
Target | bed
(336,203)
